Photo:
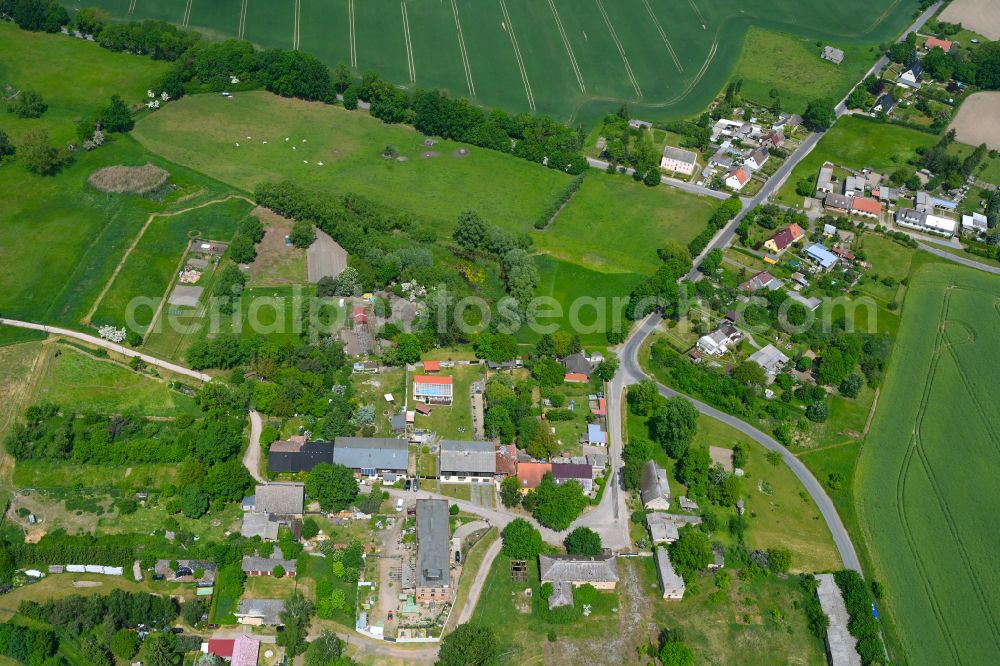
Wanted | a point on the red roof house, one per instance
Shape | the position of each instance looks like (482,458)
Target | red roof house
(866,206)
(433,389)
(530,474)
(943,44)
(221,647)
(576,378)
(432,366)
(360,316)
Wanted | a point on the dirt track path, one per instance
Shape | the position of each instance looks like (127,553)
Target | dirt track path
(138,237)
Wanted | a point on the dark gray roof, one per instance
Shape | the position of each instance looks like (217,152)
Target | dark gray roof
(654,484)
(457,456)
(577,569)
(371,453)
(681,155)
(282,499)
(254,563)
(578,363)
(433,535)
(269,610)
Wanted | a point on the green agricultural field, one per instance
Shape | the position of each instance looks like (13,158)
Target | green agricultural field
(202,132)
(75,78)
(147,270)
(792,65)
(574,60)
(79,382)
(615,225)
(859,142)
(925,486)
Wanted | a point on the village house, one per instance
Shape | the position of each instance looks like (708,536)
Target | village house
(923,221)
(772,139)
(866,207)
(578,364)
(654,488)
(762,280)
(910,78)
(365,368)
(279,499)
(466,462)
(566,572)
(780,241)
(836,56)
(679,160)
(372,457)
(717,342)
(824,183)
(854,186)
(260,612)
(433,390)
(837,203)
(582,474)
(433,583)
(943,44)
(737,177)
(975,223)
(770,359)
(596,436)
(239,651)
(530,474)
(758,159)
(186,571)
(253,565)
(664,528)
(671,584)
(822,257)
(261,525)
(884,104)
(296,454)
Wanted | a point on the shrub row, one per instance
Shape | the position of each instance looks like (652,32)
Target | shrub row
(555,206)
(863,626)
(723,214)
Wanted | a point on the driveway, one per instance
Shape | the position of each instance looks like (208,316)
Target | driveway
(325,257)
(251,457)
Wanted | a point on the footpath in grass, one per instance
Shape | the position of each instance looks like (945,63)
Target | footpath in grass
(148,270)
(925,485)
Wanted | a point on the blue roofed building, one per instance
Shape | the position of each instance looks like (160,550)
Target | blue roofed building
(596,436)
(821,256)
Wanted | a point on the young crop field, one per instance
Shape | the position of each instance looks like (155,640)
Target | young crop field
(925,487)
(574,59)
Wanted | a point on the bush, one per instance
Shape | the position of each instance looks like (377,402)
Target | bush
(28,104)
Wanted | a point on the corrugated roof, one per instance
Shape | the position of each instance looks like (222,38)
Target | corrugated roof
(654,483)
(279,498)
(577,569)
(458,456)
(371,453)
(572,471)
(433,535)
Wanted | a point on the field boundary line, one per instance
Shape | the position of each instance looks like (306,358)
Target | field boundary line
(131,7)
(186,20)
(461,46)
(353,37)
(871,413)
(663,36)
(517,55)
(569,47)
(138,237)
(407,41)
(297,25)
(242,28)
(621,48)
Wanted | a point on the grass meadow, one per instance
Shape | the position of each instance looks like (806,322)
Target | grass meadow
(571,60)
(615,225)
(925,486)
(858,142)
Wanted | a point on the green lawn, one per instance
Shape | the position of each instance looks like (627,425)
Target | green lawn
(887,257)
(859,142)
(792,65)
(452,421)
(925,488)
(584,300)
(51,475)
(615,225)
(202,132)
(79,382)
(75,78)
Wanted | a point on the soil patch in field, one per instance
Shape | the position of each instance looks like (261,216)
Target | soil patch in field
(134,180)
(978,121)
(982,16)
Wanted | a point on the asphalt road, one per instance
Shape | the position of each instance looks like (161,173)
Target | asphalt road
(632,373)
(112,346)
(672,182)
(971,263)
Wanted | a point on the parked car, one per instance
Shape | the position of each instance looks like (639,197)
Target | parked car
(399,504)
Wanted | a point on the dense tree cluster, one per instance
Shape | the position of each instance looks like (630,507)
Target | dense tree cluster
(729,209)
(949,170)
(35,15)
(26,644)
(556,505)
(510,412)
(333,486)
(583,541)
(632,147)
(469,645)
(521,541)
(863,626)
(661,289)
(57,547)
(78,614)
(46,434)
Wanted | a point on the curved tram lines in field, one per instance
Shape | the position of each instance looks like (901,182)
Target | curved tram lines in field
(916,448)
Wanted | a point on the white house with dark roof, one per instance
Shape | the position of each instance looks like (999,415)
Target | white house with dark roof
(654,488)
(717,342)
(679,160)
(466,462)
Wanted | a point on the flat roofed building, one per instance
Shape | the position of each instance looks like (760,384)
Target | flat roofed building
(433,552)
(467,462)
